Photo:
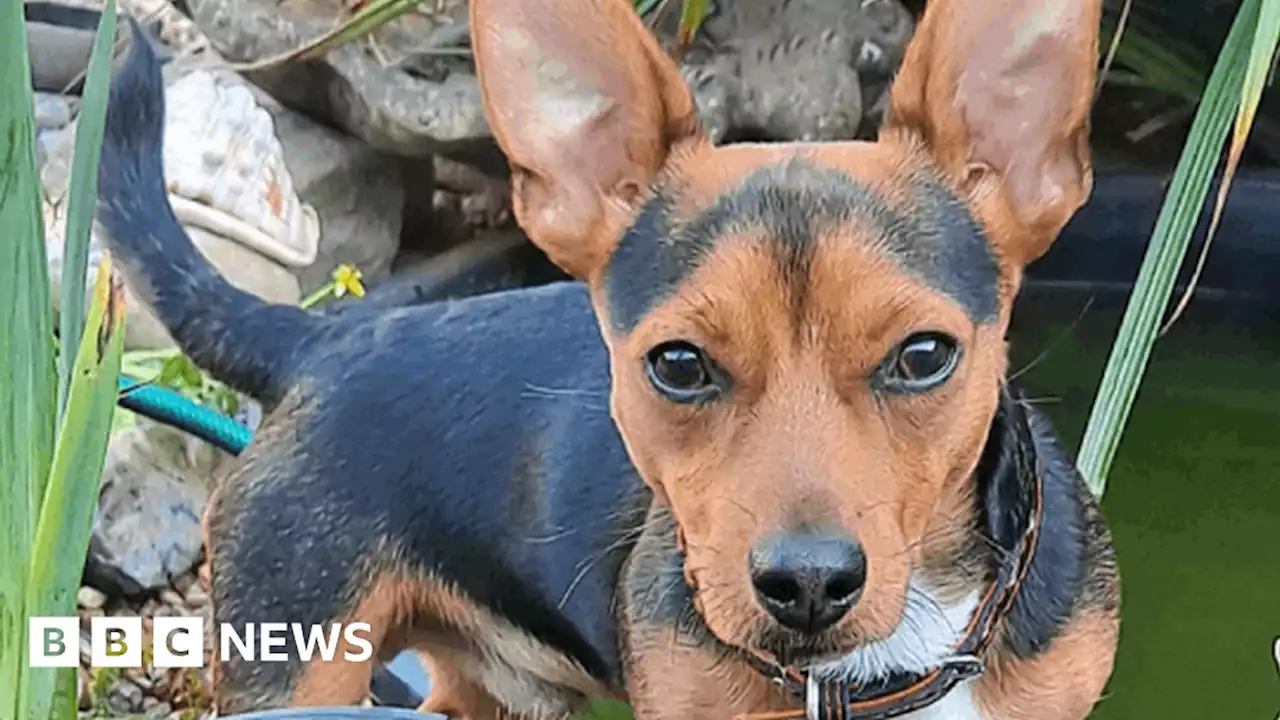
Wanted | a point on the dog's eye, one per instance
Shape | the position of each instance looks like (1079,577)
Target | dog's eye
(682,372)
(922,362)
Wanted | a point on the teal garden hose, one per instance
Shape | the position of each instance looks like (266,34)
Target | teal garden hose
(170,408)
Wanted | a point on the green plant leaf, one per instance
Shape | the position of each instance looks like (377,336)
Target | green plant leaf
(1164,63)
(644,7)
(29,396)
(1261,58)
(66,516)
(228,402)
(1178,216)
(191,375)
(173,371)
(692,13)
(27,363)
(66,705)
(179,373)
(82,197)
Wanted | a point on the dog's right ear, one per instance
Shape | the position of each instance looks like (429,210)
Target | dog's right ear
(587,108)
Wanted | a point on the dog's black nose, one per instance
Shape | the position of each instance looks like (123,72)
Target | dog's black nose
(808,581)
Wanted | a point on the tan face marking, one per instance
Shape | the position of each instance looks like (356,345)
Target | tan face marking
(804,437)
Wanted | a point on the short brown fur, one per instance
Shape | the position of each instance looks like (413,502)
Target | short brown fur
(1066,681)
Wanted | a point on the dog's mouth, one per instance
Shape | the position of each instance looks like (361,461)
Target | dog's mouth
(926,634)
(792,648)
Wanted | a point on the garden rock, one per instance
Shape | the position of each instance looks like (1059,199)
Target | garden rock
(358,193)
(799,70)
(90,598)
(167,23)
(808,70)
(54,113)
(395,91)
(125,698)
(146,530)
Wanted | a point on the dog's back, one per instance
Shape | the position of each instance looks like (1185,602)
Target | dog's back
(356,490)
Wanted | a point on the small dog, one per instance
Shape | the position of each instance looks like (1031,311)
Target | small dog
(763,461)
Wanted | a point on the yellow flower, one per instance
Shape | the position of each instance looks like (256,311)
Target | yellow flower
(346,279)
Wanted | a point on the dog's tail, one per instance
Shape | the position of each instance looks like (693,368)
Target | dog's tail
(249,344)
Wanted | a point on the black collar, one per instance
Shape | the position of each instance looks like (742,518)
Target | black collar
(1012,491)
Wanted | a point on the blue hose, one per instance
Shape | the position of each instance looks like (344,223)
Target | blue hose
(173,409)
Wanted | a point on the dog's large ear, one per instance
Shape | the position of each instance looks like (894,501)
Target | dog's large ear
(587,108)
(1000,92)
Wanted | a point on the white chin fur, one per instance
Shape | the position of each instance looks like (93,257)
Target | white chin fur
(927,634)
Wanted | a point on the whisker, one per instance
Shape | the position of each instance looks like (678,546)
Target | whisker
(1046,400)
(590,563)
(540,392)
(1054,344)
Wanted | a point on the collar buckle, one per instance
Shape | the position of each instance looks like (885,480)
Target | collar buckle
(951,671)
(812,695)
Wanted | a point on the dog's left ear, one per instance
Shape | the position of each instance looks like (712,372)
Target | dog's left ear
(587,108)
(1000,92)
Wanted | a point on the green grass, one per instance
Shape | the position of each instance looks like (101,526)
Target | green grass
(57,399)
(1195,495)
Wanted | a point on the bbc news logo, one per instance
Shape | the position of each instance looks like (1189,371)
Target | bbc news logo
(179,642)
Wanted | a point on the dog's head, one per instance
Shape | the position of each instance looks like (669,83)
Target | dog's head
(807,340)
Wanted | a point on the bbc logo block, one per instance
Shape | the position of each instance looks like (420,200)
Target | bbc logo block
(179,642)
(116,642)
(54,641)
(113,642)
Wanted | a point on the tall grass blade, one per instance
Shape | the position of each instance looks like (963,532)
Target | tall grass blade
(82,194)
(1182,207)
(66,518)
(1261,58)
(27,374)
